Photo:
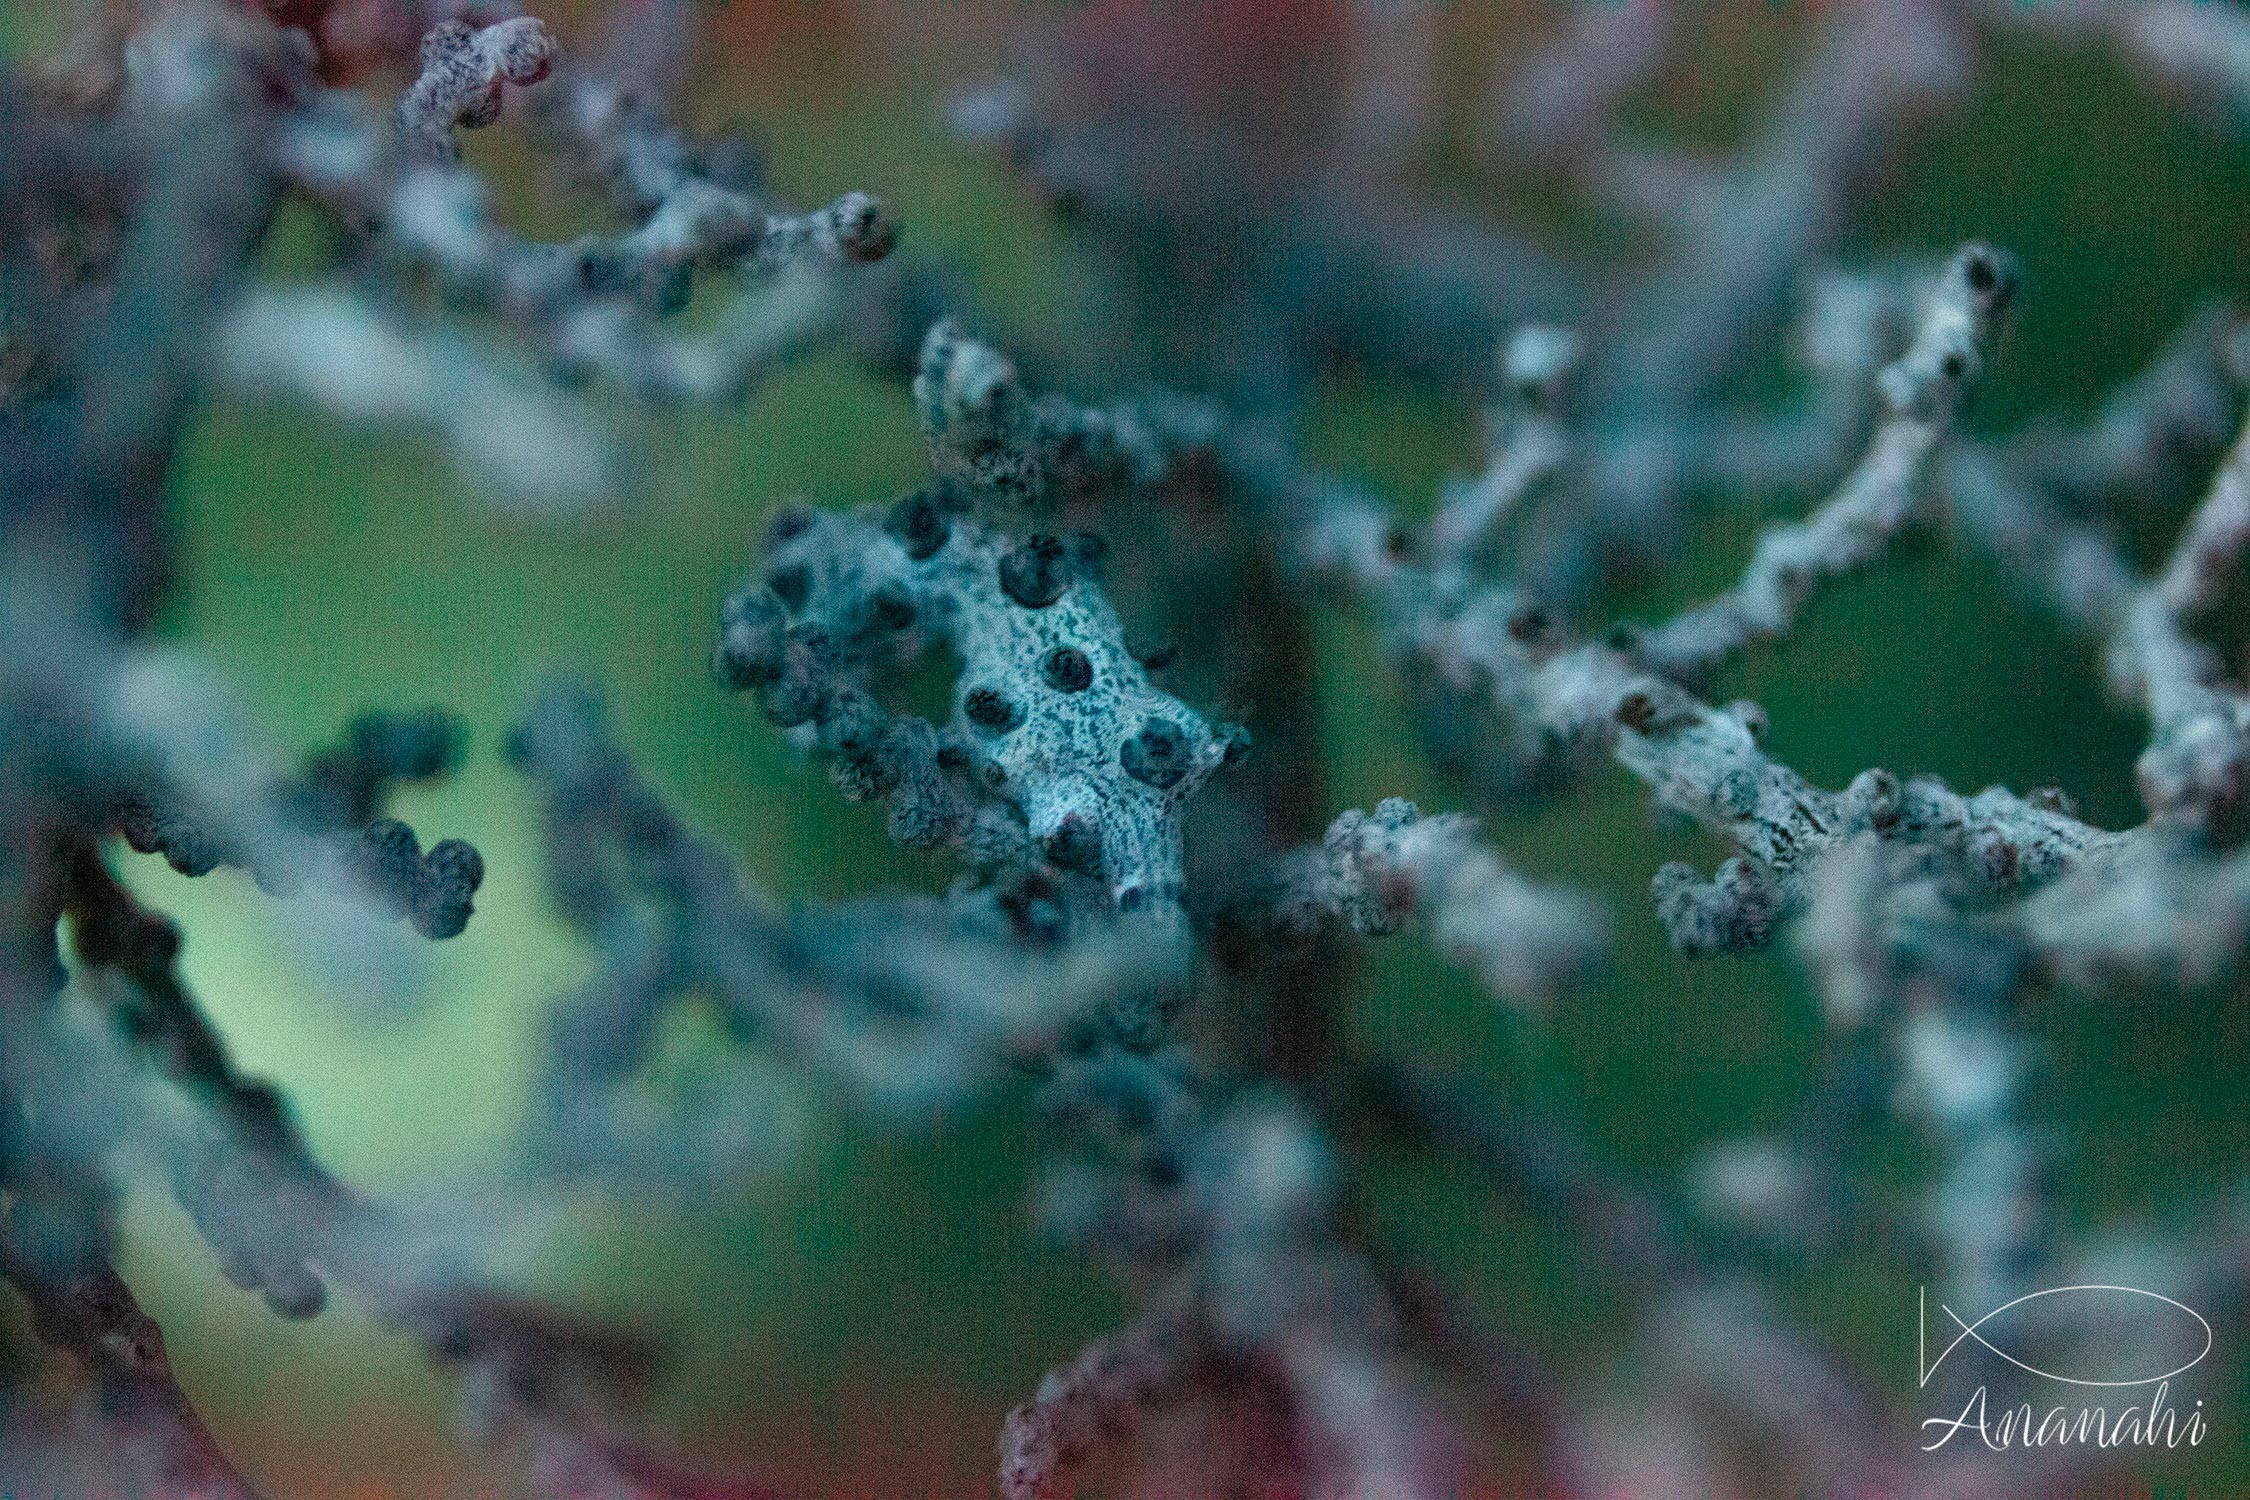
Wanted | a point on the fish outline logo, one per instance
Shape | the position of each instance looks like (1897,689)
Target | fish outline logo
(1927,1367)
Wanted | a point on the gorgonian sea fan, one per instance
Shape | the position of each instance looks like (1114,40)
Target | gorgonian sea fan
(1079,665)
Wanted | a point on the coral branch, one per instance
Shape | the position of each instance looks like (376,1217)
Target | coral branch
(1097,1397)
(594,305)
(463,70)
(541,448)
(150,1436)
(907,1002)
(1526,443)
(1778,206)
(2195,766)
(326,816)
(1920,392)
(1371,872)
(1058,735)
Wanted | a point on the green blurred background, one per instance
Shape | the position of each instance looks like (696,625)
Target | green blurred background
(861,1320)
